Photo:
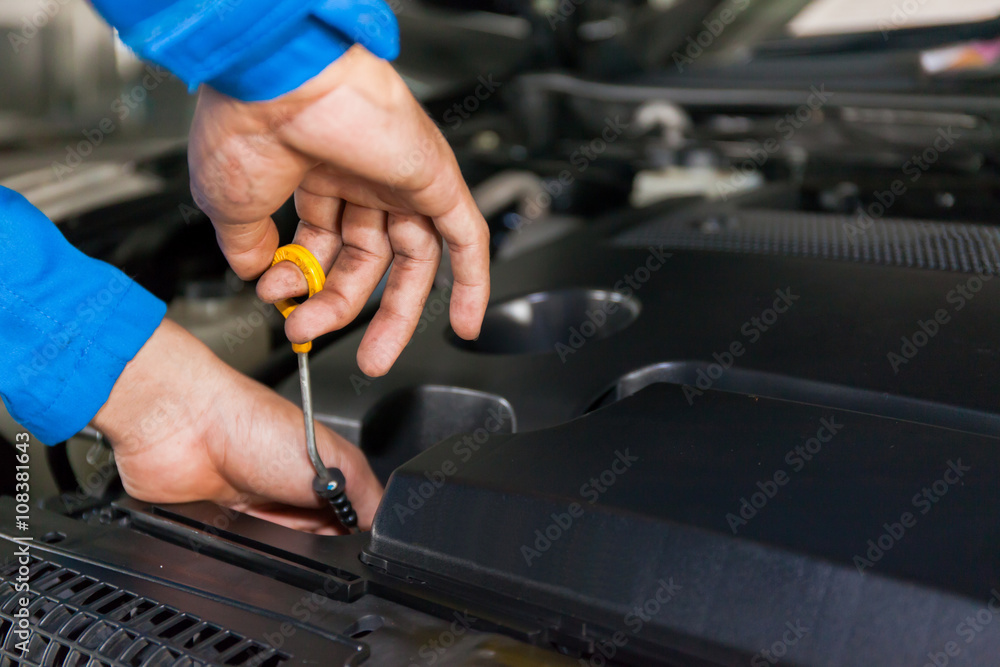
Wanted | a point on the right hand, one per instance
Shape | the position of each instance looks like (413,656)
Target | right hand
(375,183)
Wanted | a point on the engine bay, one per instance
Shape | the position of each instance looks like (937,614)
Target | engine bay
(734,400)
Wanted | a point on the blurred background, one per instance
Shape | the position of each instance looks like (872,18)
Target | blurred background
(96,138)
(761,142)
(66,45)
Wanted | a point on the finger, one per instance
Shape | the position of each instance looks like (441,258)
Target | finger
(362,261)
(319,521)
(328,181)
(271,465)
(416,248)
(248,247)
(468,237)
(239,178)
(319,231)
(363,488)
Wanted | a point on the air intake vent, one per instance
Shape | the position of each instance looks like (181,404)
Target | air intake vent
(905,243)
(77,621)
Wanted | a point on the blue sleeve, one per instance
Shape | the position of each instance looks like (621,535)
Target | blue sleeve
(251,49)
(68,324)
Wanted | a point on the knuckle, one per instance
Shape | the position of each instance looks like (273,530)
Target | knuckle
(395,315)
(364,253)
(338,306)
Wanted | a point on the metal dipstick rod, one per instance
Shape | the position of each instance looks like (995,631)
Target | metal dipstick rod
(329,483)
(305,384)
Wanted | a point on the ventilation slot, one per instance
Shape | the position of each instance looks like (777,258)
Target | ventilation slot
(941,246)
(77,621)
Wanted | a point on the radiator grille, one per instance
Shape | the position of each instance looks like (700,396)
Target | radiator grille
(77,621)
(905,243)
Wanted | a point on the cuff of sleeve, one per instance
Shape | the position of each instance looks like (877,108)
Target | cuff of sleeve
(86,386)
(263,48)
(68,324)
(126,330)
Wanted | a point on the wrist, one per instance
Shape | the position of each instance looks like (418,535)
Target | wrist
(148,399)
(358,69)
(155,419)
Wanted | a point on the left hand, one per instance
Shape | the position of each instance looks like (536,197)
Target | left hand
(185,426)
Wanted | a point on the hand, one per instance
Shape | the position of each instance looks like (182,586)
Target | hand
(374,183)
(185,426)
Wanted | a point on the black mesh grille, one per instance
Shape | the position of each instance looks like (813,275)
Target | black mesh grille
(77,621)
(905,243)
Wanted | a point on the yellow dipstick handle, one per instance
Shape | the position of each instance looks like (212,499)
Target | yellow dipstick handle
(315,278)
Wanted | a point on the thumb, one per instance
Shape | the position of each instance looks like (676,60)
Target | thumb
(240,175)
(248,247)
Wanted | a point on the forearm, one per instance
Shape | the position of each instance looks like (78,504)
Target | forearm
(251,49)
(68,324)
